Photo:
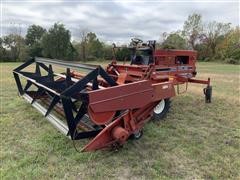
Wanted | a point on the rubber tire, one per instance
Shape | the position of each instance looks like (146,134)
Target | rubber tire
(160,116)
(136,136)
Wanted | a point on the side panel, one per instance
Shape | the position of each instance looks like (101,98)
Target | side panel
(163,90)
(126,96)
(129,96)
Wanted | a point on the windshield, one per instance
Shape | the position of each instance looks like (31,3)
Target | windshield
(142,57)
(143,53)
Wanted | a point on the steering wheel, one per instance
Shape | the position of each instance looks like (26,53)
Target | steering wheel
(136,40)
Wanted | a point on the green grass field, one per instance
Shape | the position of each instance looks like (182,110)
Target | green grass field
(195,141)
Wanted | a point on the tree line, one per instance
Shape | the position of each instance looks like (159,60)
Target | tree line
(213,41)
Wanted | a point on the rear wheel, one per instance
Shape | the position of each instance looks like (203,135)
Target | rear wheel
(161,109)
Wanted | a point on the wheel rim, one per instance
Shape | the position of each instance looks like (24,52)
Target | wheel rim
(159,107)
(137,134)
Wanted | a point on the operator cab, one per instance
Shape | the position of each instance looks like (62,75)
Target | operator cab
(142,53)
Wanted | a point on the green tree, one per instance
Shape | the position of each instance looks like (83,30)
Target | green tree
(203,52)
(123,54)
(174,41)
(107,52)
(33,39)
(89,47)
(77,46)
(192,29)
(15,44)
(94,46)
(214,33)
(2,51)
(34,34)
(83,45)
(56,43)
(229,49)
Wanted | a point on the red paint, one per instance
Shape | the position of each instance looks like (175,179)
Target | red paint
(140,89)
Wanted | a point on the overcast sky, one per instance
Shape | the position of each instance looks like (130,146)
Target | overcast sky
(115,21)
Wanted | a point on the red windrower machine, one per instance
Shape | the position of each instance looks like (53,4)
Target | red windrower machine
(113,104)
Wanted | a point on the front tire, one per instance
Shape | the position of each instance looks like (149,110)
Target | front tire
(137,135)
(161,109)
